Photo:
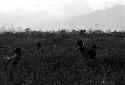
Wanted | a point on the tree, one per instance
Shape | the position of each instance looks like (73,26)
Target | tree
(82,33)
(90,30)
(108,31)
(27,30)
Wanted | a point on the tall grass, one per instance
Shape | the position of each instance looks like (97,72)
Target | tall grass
(57,65)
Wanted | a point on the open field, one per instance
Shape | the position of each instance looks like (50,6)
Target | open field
(56,64)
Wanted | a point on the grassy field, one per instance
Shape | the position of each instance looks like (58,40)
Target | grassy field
(56,64)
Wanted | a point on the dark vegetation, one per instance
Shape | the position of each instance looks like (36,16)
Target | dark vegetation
(56,64)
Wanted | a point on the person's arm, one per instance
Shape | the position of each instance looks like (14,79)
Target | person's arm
(76,49)
(5,46)
(8,62)
(9,58)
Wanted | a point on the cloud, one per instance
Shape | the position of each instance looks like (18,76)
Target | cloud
(75,7)
(57,7)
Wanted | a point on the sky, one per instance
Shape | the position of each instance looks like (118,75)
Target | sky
(22,11)
(55,7)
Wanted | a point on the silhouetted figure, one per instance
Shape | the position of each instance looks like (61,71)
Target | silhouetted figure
(85,51)
(38,46)
(82,48)
(92,52)
(38,50)
(94,62)
(17,57)
(89,54)
(14,59)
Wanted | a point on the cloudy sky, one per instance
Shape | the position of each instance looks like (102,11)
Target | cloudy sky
(55,7)
(22,11)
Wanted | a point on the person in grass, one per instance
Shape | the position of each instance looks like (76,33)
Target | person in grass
(17,57)
(85,51)
(92,52)
(88,54)
(38,46)
(82,48)
(14,59)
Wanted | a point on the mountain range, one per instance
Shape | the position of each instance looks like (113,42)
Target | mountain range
(112,18)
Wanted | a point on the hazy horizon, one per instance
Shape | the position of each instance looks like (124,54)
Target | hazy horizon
(37,13)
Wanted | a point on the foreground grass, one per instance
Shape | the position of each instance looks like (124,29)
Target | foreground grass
(57,65)
(64,68)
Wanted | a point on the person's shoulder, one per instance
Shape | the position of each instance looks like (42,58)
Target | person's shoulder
(85,47)
(90,50)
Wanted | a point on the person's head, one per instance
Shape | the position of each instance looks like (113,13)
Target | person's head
(18,51)
(94,46)
(80,43)
(38,45)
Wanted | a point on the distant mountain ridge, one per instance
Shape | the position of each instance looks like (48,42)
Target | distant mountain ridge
(114,17)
